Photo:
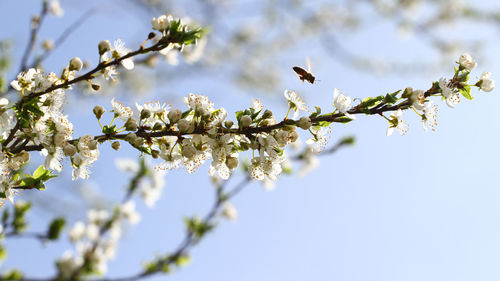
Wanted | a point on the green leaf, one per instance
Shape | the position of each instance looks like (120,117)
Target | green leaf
(109,129)
(55,228)
(40,172)
(370,102)
(150,267)
(3,252)
(186,113)
(13,274)
(391,97)
(196,226)
(343,119)
(316,113)
(182,260)
(5,216)
(324,123)
(465,91)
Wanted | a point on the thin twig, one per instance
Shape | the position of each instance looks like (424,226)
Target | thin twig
(64,35)
(35,28)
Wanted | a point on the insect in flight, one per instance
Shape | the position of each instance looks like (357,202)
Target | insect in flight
(305,75)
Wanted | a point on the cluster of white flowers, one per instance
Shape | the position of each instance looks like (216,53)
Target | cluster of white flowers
(96,241)
(449,92)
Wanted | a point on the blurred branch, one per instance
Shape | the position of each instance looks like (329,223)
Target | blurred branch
(36,23)
(63,36)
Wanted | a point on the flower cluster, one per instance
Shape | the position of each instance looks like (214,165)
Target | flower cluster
(93,248)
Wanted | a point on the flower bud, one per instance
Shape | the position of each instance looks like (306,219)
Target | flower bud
(92,145)
(188,151)
(158,126)
(145,113)
(304,123)
(115,145)
(69,150)
(185,126)
(228,124)
(267,114)
(155,154)
(48,45)
(245,121)
(138,142)
(486,83)
(104,46)
(75,64)
(130,137)
(131,124)
(232,162)
(95,87)
(466,62)
(99,111)
(174,115)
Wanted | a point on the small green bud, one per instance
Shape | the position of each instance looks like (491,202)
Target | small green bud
(232,162)
(131,124)
(158,126)
(130,137)
(99,111)
(145,113)
(138,142)
(155,154)
(245,121)
(95,87)
(75,64)
(267,114)
(115,145)
(104,46)
(228,124)
(48,44)
(174,115)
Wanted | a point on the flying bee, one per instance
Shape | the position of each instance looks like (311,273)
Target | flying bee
(305,75)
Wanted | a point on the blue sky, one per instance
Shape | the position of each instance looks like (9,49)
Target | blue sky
(419,207)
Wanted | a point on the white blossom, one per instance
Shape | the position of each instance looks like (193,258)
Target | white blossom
(319,138)
(121,111)
(119,51)
(397,123)
(467,62)
(229,211)
(486,83)
(295,102)
(127,210)
(451,97)
(430,116)
(55,8)
(162,22)
(77,232)
(342,103)
(418,99)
